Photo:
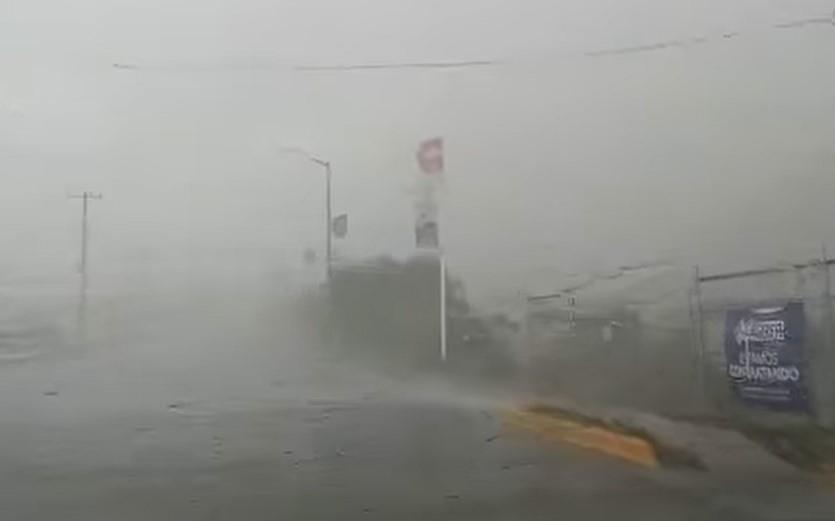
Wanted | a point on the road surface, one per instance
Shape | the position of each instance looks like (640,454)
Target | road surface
(211,428)
(378,456)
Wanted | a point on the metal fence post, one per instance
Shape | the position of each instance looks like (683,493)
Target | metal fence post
(827,415)
(697,321)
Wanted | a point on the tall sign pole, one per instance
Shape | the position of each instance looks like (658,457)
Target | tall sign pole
(430,158)
(443,304)
(82,290)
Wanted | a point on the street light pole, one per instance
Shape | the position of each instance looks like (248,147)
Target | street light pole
(329,224)
(328,206)
(328,215)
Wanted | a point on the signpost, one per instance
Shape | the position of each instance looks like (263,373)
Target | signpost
(430,159)
(339,226)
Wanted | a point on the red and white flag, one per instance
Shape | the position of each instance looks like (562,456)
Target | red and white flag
(430,156)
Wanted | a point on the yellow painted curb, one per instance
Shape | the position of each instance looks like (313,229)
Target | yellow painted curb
(555,428)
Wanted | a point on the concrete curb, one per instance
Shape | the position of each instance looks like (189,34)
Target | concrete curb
(556,428)
(647,439)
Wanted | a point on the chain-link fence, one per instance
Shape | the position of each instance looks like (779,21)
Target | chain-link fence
(619,338)
(654,338)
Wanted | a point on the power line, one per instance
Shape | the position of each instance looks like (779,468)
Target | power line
(659,46)
(700,40)
(305,68)
(805,22)
(404,65)
(466,64)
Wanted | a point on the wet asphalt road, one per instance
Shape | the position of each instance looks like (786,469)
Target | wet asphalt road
(373,457)
(234,428)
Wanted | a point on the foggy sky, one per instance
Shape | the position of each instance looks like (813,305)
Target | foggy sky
(720,154)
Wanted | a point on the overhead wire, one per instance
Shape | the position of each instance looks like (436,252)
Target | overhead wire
(481,63)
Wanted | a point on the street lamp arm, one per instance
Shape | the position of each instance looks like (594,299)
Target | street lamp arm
(310,157)
(320,162)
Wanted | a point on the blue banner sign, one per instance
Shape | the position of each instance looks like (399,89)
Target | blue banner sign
(764,353)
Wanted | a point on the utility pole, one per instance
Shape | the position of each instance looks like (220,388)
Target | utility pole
(82,290)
